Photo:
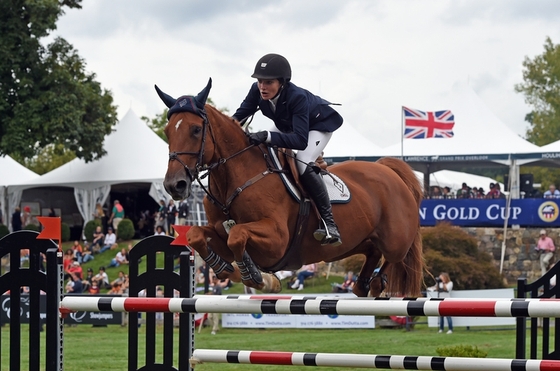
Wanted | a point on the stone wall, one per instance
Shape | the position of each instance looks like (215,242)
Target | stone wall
(521,259)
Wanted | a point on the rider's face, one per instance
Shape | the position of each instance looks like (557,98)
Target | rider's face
(268,88)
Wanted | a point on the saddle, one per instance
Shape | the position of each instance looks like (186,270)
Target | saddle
(287,169)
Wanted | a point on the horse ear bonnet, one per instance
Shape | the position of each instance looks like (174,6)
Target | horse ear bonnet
(186,103)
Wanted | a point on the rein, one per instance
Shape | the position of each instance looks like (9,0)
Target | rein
(195,174)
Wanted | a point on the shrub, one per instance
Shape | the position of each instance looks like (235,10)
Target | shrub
(65,232)
(461,351)
(125,230)
(32,227)
(353,263)
(450,249)
(3,230)
(90,228)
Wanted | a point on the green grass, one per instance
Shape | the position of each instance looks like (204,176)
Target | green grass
(95,348)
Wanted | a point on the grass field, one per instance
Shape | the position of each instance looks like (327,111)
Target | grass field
(105,348)
(98,348)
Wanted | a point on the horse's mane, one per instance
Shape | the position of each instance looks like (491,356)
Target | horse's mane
(218,117)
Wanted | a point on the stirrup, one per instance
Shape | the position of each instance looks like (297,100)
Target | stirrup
(326,238)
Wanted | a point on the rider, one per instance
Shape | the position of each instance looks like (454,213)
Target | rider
(303,121)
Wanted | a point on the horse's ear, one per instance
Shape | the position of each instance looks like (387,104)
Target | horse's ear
(167,99)
(201,98)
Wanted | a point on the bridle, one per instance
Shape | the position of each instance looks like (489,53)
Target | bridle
(194,174)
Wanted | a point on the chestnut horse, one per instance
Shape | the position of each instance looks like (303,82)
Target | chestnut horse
(252,217)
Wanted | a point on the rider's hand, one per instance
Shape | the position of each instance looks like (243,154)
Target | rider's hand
(258,137)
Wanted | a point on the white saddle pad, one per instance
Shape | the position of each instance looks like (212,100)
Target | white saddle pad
(338,191)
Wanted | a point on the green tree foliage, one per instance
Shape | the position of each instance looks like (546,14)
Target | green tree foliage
(541,87)
(48,158)
(157,124)
(450,249)
(47,96)
(65,232)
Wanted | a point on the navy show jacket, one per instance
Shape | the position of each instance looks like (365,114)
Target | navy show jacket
(298,111)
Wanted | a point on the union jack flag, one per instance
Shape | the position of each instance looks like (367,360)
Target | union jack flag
(419,124)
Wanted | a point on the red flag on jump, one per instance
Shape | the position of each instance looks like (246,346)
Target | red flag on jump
(181,239)
(51,228)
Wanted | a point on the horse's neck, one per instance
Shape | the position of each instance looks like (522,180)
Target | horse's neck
(230,141)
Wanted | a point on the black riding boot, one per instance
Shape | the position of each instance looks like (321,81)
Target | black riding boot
(317,190)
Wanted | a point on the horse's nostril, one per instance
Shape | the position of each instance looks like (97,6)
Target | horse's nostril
(181,185)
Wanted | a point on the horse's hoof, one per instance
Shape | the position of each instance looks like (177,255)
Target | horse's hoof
(272,284)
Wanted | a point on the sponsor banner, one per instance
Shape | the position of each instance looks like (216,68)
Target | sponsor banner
(296,321)
(87,318)
(491,213)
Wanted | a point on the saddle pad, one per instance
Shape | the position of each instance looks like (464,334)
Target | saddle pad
(337,189)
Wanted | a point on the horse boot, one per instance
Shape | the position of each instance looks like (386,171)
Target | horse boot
(317,190)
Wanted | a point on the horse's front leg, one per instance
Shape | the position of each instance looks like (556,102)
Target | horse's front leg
(265,235)
(218,257)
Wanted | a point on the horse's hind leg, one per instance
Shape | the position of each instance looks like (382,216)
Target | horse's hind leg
(373,255)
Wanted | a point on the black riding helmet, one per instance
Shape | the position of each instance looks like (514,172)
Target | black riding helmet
(273,66)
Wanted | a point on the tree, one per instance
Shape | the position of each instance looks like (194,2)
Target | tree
(541,88)
(47,96)
(48,158)
(157,124)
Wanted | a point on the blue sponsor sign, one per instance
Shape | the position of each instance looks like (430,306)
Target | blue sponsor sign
(491,213)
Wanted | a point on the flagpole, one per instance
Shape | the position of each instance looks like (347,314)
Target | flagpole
(402,133)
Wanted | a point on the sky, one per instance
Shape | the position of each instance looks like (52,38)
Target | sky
(372,57)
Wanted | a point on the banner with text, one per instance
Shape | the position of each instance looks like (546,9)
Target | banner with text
(296,321)
(531,212)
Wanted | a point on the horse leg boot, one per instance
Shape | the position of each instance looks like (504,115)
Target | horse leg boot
(317,190)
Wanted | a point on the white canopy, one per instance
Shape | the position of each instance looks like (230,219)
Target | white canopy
(348,142)
(11,172)
(135,154)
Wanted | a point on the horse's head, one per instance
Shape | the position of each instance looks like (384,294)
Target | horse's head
(186,131)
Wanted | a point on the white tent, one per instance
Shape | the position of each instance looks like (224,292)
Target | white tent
(12,172)
(348,142)
(135,154)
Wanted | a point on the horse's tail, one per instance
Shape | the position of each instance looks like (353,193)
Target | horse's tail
(405,278)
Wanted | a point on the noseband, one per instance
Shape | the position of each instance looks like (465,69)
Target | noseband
(198,167)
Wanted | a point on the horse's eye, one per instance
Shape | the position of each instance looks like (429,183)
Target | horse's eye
(196,130)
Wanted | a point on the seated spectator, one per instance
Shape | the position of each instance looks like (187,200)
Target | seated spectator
(225,284)
(97,242)
(119,259)
(77,249)
(74,285)
(87,282)
(93,289)
(159,231)
(87,254)
(480,193)
(347,285)
(67,259)
(102,279)
(552,192)
(284,274)
(115,289)
(304,272)
(120,279)
(110,241)
(464,192)
(436,193)
(495,191)
(75,268)
(446,194)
